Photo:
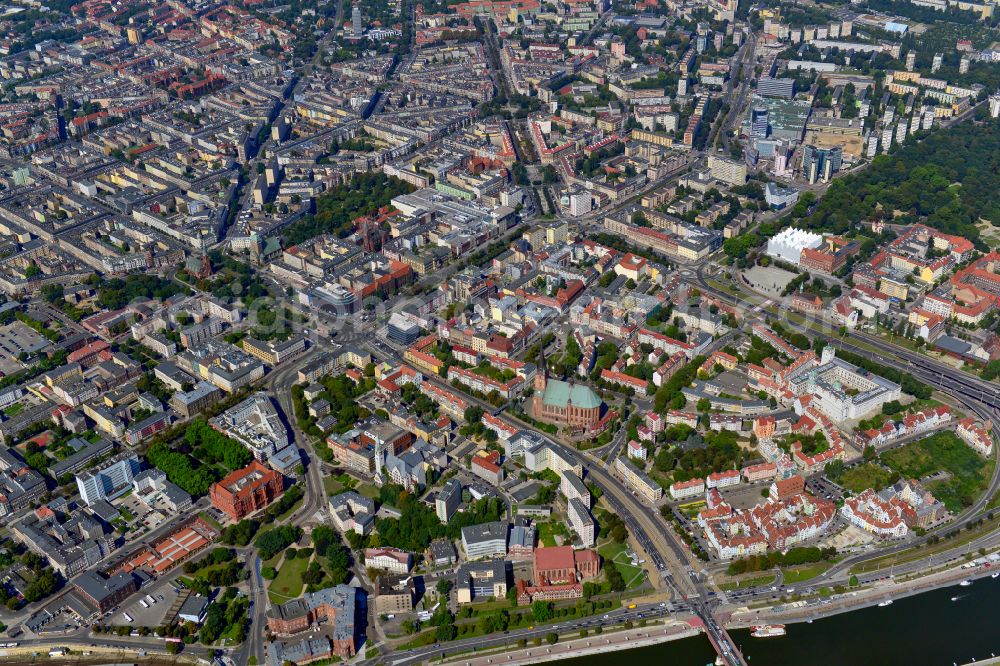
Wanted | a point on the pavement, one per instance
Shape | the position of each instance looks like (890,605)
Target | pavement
(625,639)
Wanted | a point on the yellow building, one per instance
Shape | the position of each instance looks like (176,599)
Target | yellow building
(652,137)
(894,288)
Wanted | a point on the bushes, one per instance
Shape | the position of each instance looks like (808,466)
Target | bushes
(181,469)
(919,180)
(240,534)
(284,504)
(117,292)
(419,525)
(323,537)
(212,447)
(614,577)
(792,557)
(670,393)
(942,451)
(47,582)
(273,541)
(229,617)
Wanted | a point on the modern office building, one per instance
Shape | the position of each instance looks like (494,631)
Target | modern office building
(772,87)
(110,481)
(778,197)
(759,122)
(486,540)
(402,330)
(821,163)
(448,500)
(476,581)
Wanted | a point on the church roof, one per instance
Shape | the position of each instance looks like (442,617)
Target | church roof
(562,394)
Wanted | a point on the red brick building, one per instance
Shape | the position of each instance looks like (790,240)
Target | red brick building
(333,606)
(246,490)
(562,564)
(564,404)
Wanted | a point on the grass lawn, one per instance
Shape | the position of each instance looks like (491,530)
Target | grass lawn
(691,509)
(420,640)
(288,583)
(211,521)
(332,485)
(799,574)
(487,606)
(548,531)
(943,451)
(14,410)
(728,288)
(617,553)
(747,582)
(865,475)
(288,514)
(368,491)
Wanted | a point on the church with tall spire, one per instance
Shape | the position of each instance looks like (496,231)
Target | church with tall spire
(564,403)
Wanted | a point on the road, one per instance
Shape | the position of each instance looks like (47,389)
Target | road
(643,612)
(743,57)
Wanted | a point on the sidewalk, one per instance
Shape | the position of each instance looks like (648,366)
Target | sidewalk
(853,599)
(577,647)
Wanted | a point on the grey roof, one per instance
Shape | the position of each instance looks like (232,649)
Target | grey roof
(99,588)
(484,532)
(193,606)
(104,510)
(953,345)
(576,482)
(522,535)
(305,650)
(488,571)
(78,460)
(442,549)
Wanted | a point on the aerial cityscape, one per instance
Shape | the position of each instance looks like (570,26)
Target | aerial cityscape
(469,332)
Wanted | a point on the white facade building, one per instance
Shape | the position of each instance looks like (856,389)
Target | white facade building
(788,244)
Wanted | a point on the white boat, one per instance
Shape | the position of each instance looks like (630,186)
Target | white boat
(883,604)
(995,574)
(965,583)
(768,630)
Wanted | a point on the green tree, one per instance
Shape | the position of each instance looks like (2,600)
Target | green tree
(541,611)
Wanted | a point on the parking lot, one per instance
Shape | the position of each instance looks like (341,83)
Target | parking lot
(144,519)
(823,487)
(745,496)
(163,594)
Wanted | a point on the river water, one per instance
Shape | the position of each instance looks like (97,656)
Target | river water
(929,629)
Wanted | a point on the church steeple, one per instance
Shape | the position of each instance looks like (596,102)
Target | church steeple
(542,372)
